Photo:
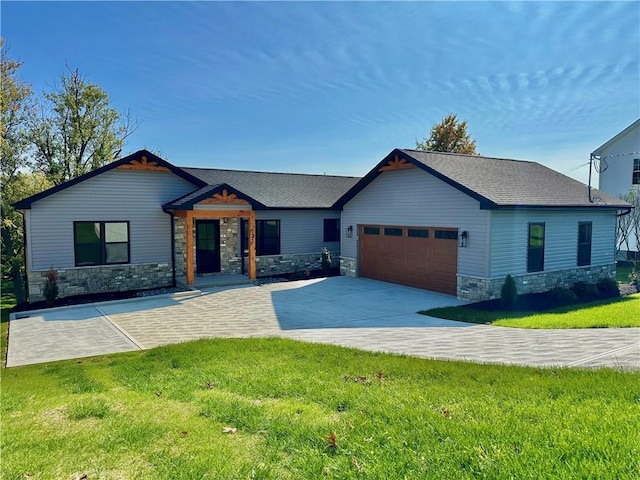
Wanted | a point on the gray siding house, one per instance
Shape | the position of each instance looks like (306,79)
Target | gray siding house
(459,224)
(456,224)
(141,222)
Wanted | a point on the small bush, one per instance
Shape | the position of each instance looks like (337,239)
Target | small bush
(584,290)
(562,295)
(509,293)
(634,276)
(326,261)
(608,287)
(50,290)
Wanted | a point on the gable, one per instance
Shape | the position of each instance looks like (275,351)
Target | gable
(627,141)
(494,182)
(142,160)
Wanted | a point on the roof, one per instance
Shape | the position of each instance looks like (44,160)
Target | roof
(280,190)
(613,140)
(497,182)
(139,156)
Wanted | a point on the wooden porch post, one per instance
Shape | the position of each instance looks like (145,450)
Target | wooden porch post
(188,231)
(252,244)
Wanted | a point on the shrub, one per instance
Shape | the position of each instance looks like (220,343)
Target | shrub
(509,293)
(634,276)
(584,290)
(562,295)
(50,290)
(608,287)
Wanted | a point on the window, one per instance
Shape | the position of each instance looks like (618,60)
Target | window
(418,232)
(446,234)
(331,229)
(584,243)
(101,243)
(371,230)
(393,232)
(267,237)
(635,179)
(535,251)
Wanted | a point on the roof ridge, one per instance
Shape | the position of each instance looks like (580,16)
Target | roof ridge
(270,173)
(471,155)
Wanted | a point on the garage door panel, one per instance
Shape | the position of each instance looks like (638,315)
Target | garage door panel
(418,261)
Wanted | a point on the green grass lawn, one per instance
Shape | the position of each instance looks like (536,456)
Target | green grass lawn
(618,312)
(305,411)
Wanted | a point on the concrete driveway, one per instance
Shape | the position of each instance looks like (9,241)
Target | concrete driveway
(344,311)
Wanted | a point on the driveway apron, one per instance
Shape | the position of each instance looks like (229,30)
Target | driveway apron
(345,311)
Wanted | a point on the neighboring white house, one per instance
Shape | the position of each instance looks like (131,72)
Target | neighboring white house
(619,164)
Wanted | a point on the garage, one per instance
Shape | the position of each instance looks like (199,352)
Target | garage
(422,257)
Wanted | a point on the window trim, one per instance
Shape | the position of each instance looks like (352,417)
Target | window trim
(331,230)
(534,268)
(635,173)
(585,245)
(103,243)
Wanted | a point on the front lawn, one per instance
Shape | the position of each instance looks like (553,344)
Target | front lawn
(279,409)
(617,312)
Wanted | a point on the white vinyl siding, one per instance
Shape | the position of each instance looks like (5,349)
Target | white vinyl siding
(115,195)
(301,231)
(416,198)
(509,233)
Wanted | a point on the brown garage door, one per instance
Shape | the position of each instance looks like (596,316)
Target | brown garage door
(423,257)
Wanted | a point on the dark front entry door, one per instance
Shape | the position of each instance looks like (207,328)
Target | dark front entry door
(207,246)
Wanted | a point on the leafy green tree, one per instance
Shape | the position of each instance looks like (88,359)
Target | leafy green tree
(76,130)
(449,135)
(15,109)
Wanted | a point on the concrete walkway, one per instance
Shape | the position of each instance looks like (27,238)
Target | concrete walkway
(344,311)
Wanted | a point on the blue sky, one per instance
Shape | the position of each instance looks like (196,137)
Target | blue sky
(332,87)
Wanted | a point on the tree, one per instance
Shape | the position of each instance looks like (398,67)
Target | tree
(76,130)
(15,109)
(449,136)
(628,228)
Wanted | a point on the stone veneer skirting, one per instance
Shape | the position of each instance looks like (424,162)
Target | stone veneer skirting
(477,289)
(348,266)
(101,279)
(269,265)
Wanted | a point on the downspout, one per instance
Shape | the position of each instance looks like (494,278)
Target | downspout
(173,247)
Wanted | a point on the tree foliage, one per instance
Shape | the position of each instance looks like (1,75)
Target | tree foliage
(15,108)
(76,130)
(449,135)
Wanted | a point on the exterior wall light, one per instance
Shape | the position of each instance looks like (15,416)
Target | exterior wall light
(350,231)
(463,238)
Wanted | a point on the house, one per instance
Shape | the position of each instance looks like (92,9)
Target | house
(619,166)
(619,160)
(141,222)
(459,224)
(452,223)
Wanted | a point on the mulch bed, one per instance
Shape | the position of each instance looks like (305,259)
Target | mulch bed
(92,298)
(541,302)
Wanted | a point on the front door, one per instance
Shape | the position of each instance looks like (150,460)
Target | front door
(207,246)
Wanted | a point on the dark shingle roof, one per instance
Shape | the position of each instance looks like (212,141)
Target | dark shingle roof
(279,190)
(502,182)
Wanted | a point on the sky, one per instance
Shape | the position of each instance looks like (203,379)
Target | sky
(333,87)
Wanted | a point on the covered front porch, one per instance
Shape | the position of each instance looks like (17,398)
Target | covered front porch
(214,237)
